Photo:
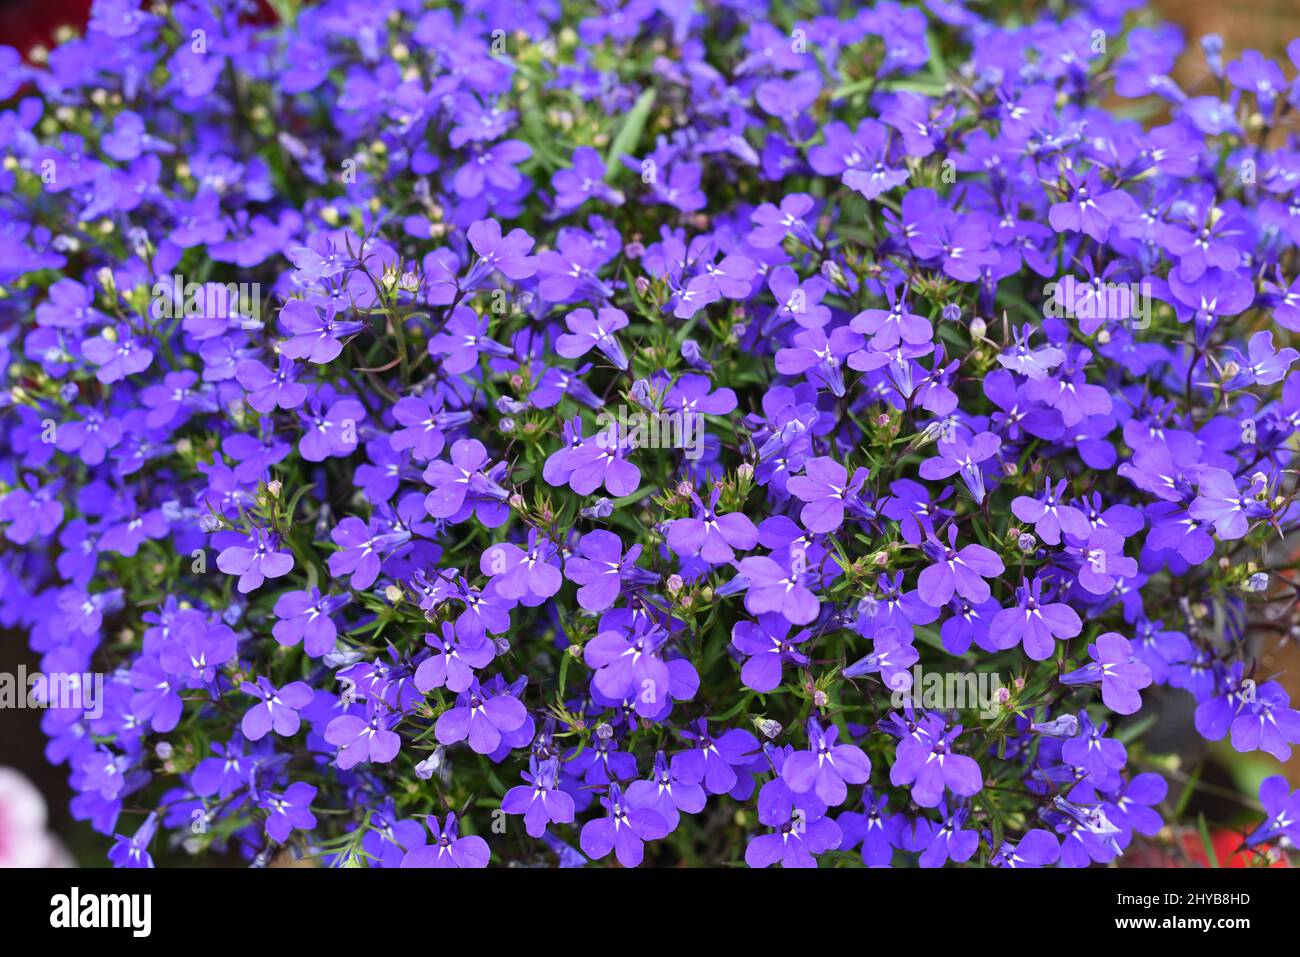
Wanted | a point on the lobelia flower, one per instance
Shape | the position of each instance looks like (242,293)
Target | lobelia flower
(777,587)
(134,851)
(462,340)
(600,568)
(1132,808)
(826,767)
(529,577)
(962,571)
(481,718)
(803,829)
(306,616)
(950,841)
(119,356)
(1220,502)
(256,560)
(1266,722)
(624,831)
(1263,365)
(507,255)
(1091,208)
(772,224)
(1037,848)
(316,334)
(454,661)
(289,811)
(329,433)
(1099,756)
(541,802)
(892,656)
(927,762)
(877,833)
(587,331)
(714,758)
(449,849)
(426,423)
(1049,515)
(889,327)
(957,457)
(196,649)
(769,647)
(711,536)
(667,793)
(369,739)
(1282,810)
(584,180)
(602,460)
(827,489)
(1114,667)
(467,486)
(278,708)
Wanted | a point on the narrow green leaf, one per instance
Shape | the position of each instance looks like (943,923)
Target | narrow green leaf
(630,133)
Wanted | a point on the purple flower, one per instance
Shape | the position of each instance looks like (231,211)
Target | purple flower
(771,586)
(1049,515)
(826,488)
(584,180)
(541,802)
(927,762)
(467,486)
(481,717)
(957,457)
(449,849)
(117,357)
(715,758)
(290,811)
(528,577)
(587,330)
(769,647)
(454,661)
(508,255)
(962,571)
(1091,208)
(624,831)
(1033,623)
(1281,809)
(278,709)
(667,793)
(826,767)
(316,334)
(369,739)
(1120,674)
(462,340)
(134,851)
(1221,502)
(305,616)
(950,841)
(256,560)
(711,536)
(1037,848)
(600,567)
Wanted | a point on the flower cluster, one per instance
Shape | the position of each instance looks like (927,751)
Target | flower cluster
(644,401)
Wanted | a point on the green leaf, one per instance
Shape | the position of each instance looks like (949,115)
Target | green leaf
(630,133)
(1205,841)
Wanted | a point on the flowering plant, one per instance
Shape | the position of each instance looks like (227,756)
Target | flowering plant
(565,433)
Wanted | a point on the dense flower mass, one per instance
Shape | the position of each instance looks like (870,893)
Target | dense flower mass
(648,431)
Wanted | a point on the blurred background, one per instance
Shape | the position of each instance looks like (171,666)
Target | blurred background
(1225,786)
